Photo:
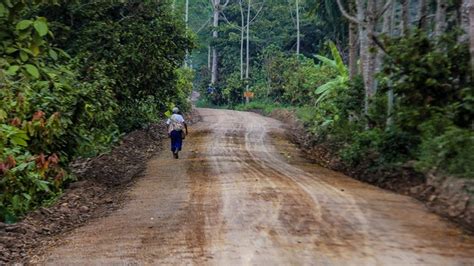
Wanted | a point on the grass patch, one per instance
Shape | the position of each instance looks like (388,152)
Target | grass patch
(304,113)
(204,103)
(265,107)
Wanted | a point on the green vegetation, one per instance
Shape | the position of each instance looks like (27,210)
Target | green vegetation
(74,76)
(431,123)
(403,96)
(392,86)
(265,108)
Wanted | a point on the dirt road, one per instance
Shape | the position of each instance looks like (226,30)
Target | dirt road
(243,195)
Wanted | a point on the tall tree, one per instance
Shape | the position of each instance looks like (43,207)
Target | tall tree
(367,15)
(464,20)
(422,19)
(405,21)
(297,7)
(209,57)
(366,27)
(471,32)
(242,27)
(353,42)
(186,20)
(200,15)
(247,49)
(216,10)
(440,18)
(215,25)
(388,29)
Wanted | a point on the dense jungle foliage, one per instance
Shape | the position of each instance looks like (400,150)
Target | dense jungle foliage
(418,112)
(74,76)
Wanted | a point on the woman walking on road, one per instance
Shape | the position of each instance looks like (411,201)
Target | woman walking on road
(176,127)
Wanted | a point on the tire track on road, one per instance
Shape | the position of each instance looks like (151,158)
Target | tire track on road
(232,199)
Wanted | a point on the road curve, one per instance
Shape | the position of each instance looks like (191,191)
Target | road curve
(243,195)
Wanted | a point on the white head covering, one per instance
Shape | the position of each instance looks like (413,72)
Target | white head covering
(175,110)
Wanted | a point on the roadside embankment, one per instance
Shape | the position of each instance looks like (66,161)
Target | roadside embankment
(98,191)
(100,188)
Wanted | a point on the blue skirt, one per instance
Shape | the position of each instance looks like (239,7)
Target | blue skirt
(176,140)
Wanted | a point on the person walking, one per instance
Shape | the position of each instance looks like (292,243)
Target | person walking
(176,127)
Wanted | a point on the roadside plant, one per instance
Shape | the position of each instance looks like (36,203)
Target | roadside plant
(340,81)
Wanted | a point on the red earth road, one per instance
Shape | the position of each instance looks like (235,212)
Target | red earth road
(241,194)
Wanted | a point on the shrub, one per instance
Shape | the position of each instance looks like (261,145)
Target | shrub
(301,80)
(379,148)
(427,74)
(47,114)
(234,89)
(363,148)
(446,148)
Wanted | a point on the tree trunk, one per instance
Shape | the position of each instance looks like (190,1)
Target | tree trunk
(367,58)
(242,30)
(422,15)
(215,24)
(247,51)
(464,20)
(372,56)
(405,21)
(353,41)
(387,29)
(393,19)
(186,14)
(297,27)
(366,19)
(440,18)
(471,34)
(186,19)
(363,47)
(390,104)
(209,57)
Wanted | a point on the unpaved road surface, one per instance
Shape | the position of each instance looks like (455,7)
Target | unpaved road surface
(242,195)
